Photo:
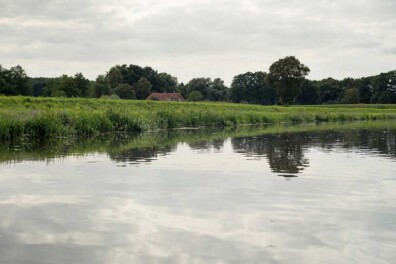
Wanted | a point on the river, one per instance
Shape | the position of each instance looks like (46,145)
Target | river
(305,195)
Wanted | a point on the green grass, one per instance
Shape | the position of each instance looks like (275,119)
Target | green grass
(27,117)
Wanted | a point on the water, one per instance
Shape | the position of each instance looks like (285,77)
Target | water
(203,197)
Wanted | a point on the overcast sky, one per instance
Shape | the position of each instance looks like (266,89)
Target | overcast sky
(200,38)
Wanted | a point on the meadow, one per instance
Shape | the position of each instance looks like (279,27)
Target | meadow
(45,118)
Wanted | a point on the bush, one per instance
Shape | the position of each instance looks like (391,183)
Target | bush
(195,96)
(125,91)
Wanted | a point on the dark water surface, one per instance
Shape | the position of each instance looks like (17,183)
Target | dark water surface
(203,197)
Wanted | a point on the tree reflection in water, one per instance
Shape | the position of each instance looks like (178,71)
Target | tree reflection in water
(139,155)
(284,151)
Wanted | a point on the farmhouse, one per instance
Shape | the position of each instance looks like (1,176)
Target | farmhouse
(166,97)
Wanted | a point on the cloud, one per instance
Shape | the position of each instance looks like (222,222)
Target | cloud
(198,38)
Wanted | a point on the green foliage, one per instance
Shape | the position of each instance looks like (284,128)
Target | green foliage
(14,81)
(384,88)
(143,88)
(125,91)
(64,86)
(114,76)
(330,90)
(309,95)
(167,82)
(218,91)
(200,85)
(113,96)
(101,87)
(284,84)
(161,82)
(81,85)
(29,117)
(287,75)
(210,90)
(195,96)
(69,86)
(58,93)
(252,88)
(351,96)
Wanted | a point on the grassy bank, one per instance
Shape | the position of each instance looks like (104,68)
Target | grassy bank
(26,117)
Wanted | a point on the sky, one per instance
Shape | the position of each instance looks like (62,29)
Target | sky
(198,38)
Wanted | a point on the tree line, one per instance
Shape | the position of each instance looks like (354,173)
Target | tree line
(285,83)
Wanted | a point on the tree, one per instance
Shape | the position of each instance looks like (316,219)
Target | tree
(351,96)
(143,88)
(195,96)
(210,90)
(3,81)
(114,76)
(182,89)
(81,84)
(365,90)
(288,75)
(167,82)
(384,88)
(200,85)
(14,81)
(330,90)
(125,91)
(101,86)
(252,88)
(20,80)
(37,85)
(68,85)
(218,91)
(309,94)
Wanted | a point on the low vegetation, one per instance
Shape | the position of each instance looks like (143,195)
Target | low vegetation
(27,117)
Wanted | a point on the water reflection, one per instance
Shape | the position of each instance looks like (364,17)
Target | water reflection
(140,155)
(284,151)
(203,197)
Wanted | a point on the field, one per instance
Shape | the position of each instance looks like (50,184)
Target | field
(27,117)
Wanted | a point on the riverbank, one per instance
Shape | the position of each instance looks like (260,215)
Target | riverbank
(115,144)
(44,118)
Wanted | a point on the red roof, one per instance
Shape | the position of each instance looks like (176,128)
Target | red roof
(166,97)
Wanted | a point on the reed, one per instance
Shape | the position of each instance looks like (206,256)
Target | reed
(44,118)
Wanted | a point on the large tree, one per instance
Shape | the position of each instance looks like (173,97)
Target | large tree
(167,82)
(252,87)
(142,88)
(288,75)
(82,84)
(14,81)
(218,91)
(200,85)
(68,86)
(101,86)
(114,76)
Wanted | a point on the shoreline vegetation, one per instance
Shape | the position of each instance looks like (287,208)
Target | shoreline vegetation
(25,118)
(115,144)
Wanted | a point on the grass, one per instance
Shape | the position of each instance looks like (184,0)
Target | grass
(45,118)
